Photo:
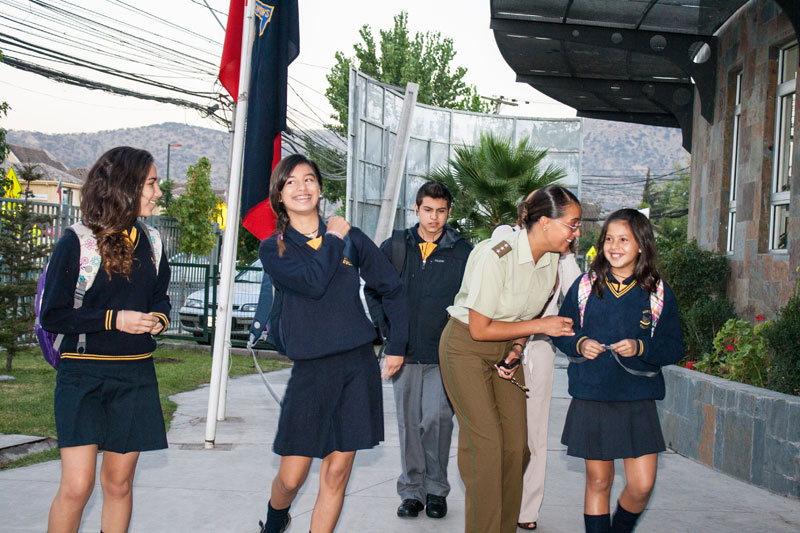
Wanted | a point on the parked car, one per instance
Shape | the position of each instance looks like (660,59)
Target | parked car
(245,300)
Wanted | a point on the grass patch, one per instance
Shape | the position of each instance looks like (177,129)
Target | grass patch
(26,403)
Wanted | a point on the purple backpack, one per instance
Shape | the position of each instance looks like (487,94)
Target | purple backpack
(89,266)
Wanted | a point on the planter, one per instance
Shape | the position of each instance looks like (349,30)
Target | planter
(750,433)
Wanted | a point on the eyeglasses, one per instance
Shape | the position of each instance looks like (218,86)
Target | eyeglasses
(574,228)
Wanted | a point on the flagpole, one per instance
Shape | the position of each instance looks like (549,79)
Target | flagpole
(221,342)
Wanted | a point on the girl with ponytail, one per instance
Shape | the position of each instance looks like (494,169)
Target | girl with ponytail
(332,405)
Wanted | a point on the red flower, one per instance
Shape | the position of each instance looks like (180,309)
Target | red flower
(691,364)
(729,347)
(760,318)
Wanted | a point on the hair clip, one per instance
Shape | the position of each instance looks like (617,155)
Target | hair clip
(280,236)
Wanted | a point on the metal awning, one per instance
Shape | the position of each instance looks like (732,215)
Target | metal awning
(628,60)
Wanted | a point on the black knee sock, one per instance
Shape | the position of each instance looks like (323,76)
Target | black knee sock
(624,520)
(276,519)
(600,523)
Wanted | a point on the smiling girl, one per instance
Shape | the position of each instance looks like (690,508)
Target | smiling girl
(626,329)
(106,395)
(332,405)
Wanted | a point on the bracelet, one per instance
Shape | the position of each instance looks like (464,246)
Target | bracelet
(336,233)
(518,344)
(122,318)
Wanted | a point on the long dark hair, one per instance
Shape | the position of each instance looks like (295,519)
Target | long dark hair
(646,270)
(550,201)
(279,176)
(111,202)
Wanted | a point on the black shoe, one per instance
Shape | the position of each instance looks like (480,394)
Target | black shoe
(283,528)
(436,506)
(410,508)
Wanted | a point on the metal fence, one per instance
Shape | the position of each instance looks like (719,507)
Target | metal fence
(193,284)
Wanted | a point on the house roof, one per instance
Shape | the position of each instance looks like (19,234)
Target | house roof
(35,156)
(631,61)
(49,173)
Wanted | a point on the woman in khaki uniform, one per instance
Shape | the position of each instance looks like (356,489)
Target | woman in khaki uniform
(507,283)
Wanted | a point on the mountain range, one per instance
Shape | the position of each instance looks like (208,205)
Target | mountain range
(610,150)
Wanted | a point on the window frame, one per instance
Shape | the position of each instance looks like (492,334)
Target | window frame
(730,241)
(786,90)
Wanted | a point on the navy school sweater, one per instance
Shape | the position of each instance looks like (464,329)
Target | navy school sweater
(322,310)
(143,291)
(620,314)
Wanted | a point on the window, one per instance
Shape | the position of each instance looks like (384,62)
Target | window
(737,112)
(784,135)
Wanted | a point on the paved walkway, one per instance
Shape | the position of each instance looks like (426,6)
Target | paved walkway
(189,489)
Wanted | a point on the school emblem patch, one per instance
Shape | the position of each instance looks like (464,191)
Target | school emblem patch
(264,14)
(646,320)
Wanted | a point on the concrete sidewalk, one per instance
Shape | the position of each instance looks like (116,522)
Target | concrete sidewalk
(189,489)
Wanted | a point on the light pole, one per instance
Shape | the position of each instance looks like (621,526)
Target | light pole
(169,146)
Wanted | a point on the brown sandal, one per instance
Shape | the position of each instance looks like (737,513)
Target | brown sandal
(528,526)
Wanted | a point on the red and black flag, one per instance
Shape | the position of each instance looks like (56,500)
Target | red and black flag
(277,43)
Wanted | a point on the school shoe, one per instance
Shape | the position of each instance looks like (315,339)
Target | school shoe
(435,506)
(410,508)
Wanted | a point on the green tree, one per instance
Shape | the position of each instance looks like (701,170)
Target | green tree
(399,58)
(196,210)
(669,208)
(22,249)
(167,195)
(489,180)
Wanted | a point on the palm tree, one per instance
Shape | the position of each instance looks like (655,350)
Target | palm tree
(489,180)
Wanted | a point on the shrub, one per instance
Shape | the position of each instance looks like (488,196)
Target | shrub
(699,280)
(738,354)
(782,338)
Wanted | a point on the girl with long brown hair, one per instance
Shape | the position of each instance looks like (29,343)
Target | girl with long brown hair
(106,396)
(332,405)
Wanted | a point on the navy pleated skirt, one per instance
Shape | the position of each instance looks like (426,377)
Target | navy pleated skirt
(606,431)
(333,403)
(109,403)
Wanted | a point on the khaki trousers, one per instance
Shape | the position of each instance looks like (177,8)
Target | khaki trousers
(492,436)
(538,365)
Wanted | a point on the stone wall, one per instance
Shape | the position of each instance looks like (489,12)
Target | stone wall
(750,433)
(761,281)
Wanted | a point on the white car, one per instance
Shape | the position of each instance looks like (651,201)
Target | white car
(246,288)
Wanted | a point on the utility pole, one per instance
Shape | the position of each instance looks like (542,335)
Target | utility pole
(500,100)
(169,146)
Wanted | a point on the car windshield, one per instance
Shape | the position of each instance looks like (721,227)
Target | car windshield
(251,276)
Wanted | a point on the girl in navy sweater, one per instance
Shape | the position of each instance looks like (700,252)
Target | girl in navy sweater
(106,395)
(332,406)
(626,329)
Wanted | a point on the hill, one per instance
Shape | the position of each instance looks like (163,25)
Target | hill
(609,149)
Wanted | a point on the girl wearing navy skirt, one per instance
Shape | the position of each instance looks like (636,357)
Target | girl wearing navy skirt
(332,405)
(626,329)
(106,395)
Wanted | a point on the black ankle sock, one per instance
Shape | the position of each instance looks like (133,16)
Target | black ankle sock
(600,523)
(276,519)
(624,520)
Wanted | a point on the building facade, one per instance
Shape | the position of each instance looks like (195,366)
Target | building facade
(745,192)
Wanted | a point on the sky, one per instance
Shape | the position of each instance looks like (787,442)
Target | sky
(42,105)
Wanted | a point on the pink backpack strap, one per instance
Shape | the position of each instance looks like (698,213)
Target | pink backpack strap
(656,305)
(584,290)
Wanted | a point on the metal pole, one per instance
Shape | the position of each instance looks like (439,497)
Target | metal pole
(395,178)
(169,145)
(226,354)
(229,240)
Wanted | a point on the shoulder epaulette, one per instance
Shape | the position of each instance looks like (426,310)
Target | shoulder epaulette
(501,248)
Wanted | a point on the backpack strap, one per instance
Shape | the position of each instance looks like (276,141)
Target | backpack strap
(399,251)
(88,267)
(656,305)
(584,290)
(156,245)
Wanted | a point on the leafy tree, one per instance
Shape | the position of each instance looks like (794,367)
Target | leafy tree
(592,222)
(196,209)
(669,209)
(489,180)
(399,58)
(22,249)
(167,195)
